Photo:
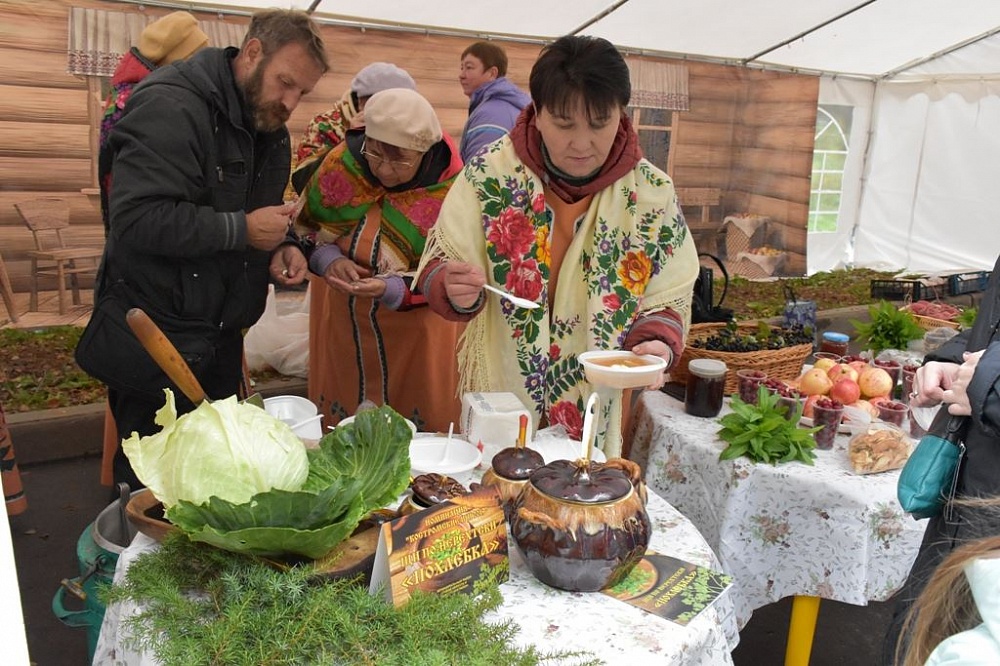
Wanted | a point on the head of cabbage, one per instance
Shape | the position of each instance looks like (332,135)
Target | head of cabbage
(255,496)
(223,449)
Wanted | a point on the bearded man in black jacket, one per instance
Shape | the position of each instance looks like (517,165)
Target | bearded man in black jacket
(197,222)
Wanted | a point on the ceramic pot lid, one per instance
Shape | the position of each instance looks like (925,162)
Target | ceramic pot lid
(578,481)
(517,464)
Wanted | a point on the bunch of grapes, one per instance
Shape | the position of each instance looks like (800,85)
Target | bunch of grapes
(730,339)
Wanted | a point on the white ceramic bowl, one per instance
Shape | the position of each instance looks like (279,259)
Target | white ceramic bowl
(455,457)
(291,409)
(350,419)
(621,369)
(558,448)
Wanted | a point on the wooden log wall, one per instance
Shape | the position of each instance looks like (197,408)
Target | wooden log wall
(49,120)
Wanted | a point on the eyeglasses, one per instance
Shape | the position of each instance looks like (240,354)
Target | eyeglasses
(395,165)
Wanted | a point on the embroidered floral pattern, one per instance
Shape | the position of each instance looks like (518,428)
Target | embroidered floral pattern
(335,188)
(424,213)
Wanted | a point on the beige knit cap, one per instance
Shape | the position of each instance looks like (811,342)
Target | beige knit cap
(403,118)
(172,37)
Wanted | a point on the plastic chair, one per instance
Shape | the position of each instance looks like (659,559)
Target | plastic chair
(46,218)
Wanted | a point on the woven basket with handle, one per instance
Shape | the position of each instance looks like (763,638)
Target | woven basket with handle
(784,364)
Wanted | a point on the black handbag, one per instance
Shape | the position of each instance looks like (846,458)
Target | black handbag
(704,309)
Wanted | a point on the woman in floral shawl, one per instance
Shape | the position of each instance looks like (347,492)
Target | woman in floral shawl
(365,218)
(567,213)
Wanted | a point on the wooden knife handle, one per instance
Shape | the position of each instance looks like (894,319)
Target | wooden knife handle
(165,354)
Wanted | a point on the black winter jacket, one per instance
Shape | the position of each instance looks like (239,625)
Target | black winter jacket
(188,167)
(980,473)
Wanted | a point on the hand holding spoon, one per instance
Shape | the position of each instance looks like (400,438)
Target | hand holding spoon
(516,300)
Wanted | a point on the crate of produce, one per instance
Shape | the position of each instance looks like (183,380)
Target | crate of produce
(743,233)
(784,363)
(933,315)
(759,264)
(908,290)
(967,283)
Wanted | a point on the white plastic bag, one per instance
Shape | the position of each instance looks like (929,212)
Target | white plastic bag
(280,338)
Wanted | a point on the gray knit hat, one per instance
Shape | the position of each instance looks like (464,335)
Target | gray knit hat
(380,76)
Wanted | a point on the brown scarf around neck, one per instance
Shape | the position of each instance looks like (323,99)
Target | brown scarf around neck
(625,153)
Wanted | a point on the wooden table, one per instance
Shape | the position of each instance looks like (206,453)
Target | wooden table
(810,532)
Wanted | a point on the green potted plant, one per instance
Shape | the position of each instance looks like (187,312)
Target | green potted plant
(888,328)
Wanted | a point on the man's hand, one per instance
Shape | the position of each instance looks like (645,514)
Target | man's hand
(957,396)
(931,381)
(266,227)
(462,283)
(289,266)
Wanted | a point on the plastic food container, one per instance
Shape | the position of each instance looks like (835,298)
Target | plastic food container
(621,369)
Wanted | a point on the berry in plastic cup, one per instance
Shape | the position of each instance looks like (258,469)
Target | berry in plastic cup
(893,412)
(909,372)
(829,418)
(749,381)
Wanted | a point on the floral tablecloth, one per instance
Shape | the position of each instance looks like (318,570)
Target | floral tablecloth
(784,530)
(551,619)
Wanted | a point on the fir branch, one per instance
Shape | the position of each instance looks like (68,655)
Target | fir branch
(247,613)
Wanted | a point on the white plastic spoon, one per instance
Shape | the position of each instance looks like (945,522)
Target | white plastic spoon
(516,300)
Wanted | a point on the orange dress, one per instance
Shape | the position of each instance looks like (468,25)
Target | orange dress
(359,349)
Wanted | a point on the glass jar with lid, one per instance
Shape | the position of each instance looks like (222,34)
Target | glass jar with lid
(834,343)
(706,383)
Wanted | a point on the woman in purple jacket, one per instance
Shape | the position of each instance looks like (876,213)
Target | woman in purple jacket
(494,101)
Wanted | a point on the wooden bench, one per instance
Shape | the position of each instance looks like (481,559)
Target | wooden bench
(705,197)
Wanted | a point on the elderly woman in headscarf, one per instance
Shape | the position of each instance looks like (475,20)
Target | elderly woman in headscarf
(365,218)
(567,213)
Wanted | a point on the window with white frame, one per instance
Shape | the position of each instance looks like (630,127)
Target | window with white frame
(833,129)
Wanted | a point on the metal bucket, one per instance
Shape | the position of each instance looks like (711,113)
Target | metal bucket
(97,551)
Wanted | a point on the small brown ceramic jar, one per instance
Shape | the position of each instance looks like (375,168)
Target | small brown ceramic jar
(427,490)
(582,526)
(509,473)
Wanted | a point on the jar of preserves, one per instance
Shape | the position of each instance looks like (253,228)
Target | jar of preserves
(834,343)
(706,383)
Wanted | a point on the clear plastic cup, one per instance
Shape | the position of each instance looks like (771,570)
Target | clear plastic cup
(749,381)
(829,418)
(892,412)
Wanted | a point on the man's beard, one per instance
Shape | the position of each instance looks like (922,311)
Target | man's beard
(267,116)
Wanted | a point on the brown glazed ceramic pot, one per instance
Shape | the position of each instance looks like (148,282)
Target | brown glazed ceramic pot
(509,472)
(582,526)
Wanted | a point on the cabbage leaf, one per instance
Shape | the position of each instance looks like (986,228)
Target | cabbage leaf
(357,468)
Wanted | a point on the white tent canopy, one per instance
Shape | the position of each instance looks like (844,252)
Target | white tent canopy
(923,175)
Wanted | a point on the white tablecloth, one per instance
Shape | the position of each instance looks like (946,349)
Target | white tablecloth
(549,618)
(784,530)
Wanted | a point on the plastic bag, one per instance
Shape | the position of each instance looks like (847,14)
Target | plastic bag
(280,338)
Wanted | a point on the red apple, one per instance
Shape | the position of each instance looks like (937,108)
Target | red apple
(807,407)
(814,382)
(875,382)
(824,363)
(845,390)
(859,366)
(842,371)
(869,407)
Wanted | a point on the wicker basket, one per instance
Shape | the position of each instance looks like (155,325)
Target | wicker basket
(784,364)
(930,323)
